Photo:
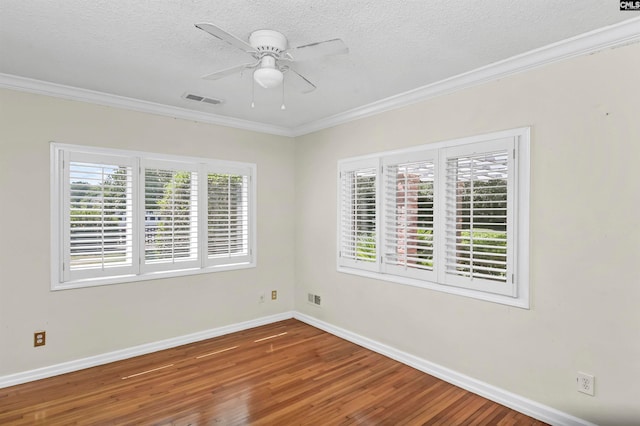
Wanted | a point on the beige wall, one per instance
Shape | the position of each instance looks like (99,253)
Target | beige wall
(585,238)
(93,321)
(585,248)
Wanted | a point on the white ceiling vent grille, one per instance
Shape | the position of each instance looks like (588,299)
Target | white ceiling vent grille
(198,98)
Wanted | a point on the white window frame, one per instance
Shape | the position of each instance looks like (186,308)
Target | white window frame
(387,212)
(517,292)
(149,267)
(221,261)
(500,144)
(356,166)
(104,159)
(60,154)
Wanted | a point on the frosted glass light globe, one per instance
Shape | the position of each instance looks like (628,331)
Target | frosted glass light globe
(268,77)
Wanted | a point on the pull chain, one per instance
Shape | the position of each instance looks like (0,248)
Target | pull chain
(253,92)
(282,107)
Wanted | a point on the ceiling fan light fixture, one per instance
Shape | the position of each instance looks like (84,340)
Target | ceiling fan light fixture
(268,77)
(270,48)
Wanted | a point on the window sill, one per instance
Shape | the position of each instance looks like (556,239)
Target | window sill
(94,282)
(519,302)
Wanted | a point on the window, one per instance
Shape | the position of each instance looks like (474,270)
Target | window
(122,216)
(409,216)
(171,198)
(358,215)
(450,216)
(98,216)
(479,215)
(228,217)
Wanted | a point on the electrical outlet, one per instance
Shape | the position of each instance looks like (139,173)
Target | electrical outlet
(262,298)
(274,294)
(39,338)
(314,299)
(586,383)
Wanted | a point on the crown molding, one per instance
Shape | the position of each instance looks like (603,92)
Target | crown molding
(622,33)
(40,87)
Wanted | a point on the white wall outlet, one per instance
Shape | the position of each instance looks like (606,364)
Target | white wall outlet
(262,297)
(586,383)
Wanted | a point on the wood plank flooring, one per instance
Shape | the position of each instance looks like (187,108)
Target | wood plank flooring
(286,373)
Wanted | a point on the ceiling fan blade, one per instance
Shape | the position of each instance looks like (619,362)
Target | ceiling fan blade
(300,82)
(225,36)
(316,50)
(228,71)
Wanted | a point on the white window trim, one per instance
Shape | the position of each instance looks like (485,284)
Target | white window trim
(221,262)
(520,298)
(368,163)
(496,144)
(145,267)
(406,157)
(202,165)
(65,240)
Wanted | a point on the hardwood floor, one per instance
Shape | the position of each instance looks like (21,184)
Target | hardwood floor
(286,373)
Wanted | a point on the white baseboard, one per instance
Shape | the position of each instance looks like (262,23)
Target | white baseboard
(531,408)
(523,405)
(79,364)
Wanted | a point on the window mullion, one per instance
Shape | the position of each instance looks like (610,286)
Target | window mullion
(379,224)
(512,215)
(203,223)
(440,216)
(228,213)
(471,218)
(66,217)
(137,195)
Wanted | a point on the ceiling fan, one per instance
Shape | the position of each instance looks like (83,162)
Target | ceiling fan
(272,56)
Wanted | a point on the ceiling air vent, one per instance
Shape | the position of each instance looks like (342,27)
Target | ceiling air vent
(198,98)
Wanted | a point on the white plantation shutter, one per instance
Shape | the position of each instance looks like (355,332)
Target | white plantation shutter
(358,216)
(479,216)
(97,212)
(170,216)
(451,216)
(409,244)
(120,216)
(228,221)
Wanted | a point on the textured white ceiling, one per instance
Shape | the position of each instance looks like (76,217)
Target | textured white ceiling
(150,49)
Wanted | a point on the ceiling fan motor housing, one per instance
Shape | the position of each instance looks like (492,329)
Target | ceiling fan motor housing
(268,42)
